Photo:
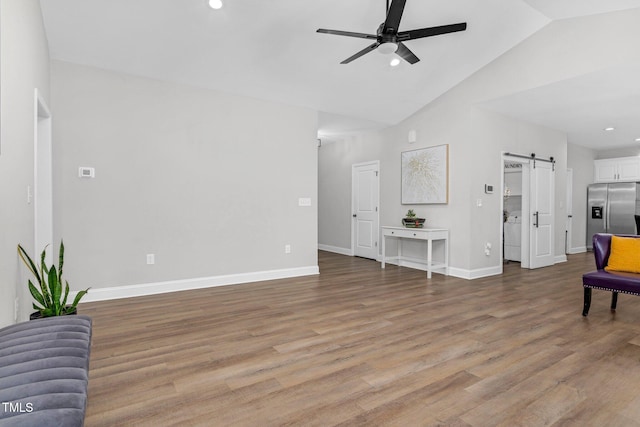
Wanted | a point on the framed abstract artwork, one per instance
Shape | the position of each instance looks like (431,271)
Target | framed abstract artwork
(425,175)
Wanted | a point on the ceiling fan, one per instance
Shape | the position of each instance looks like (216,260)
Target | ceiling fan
(389,40)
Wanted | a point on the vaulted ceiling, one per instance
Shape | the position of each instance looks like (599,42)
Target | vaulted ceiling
(270,49)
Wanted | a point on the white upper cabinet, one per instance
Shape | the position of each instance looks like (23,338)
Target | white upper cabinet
(624,169)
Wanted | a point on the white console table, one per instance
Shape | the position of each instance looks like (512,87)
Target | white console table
(428,234)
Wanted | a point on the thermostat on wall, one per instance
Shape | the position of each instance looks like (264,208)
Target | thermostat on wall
(84,172)
(488,189)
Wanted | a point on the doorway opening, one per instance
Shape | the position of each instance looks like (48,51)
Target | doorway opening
(512,234)
(569,204)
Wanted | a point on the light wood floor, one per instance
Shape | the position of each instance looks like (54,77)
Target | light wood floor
(358,345)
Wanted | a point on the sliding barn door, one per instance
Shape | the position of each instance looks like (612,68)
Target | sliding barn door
(541,214)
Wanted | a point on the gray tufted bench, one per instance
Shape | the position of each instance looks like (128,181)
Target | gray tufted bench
(44,367)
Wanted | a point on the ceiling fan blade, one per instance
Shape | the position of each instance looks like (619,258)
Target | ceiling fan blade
(405,53)
(431,31)
(347,33)
(364,51)
(394,15)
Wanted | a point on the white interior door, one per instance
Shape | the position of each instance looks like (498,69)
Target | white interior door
(541,214)
(365,191)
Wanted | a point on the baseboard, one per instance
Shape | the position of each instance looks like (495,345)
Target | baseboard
(453,271)
(578,250)
(560,258)
(128,291)
(475,274)
(336,249)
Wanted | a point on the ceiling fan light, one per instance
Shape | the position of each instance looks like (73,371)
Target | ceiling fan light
(395,62)
(215,4)
(387,48)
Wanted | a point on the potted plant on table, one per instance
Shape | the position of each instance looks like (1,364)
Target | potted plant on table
(410,220)
(49,296)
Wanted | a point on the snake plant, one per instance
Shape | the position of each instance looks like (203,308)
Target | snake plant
(49,296)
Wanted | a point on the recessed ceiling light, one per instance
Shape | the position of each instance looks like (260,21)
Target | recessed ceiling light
(637,139)
(394,62)
(609,129)
(215,4)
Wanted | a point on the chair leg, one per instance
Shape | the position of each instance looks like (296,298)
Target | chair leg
(614,300)
(587,301)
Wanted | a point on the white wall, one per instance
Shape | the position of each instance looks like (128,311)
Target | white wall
(496,133)
(580,160)
(612,153)
(477,137)
(24,66)
(472,163)
(208,182)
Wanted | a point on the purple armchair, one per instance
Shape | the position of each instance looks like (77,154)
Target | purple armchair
(627,283)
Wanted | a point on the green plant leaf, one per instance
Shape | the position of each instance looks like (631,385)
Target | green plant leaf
(66,294)
(55,288)
(29,263)
(44,272)
(39,277)
(36,294)
(60,260)
(79,295)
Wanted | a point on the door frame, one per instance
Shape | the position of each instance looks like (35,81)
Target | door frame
(42,177)
(569,208)
(354,167)
(525,243)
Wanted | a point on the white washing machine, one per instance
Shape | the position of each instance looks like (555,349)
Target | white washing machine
(513,236)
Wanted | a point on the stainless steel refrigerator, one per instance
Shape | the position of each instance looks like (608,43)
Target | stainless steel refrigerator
(611,208)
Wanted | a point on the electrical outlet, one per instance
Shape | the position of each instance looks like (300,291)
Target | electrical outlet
(287,249)
(151,259)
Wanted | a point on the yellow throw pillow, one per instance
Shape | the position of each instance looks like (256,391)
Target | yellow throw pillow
(625,254)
